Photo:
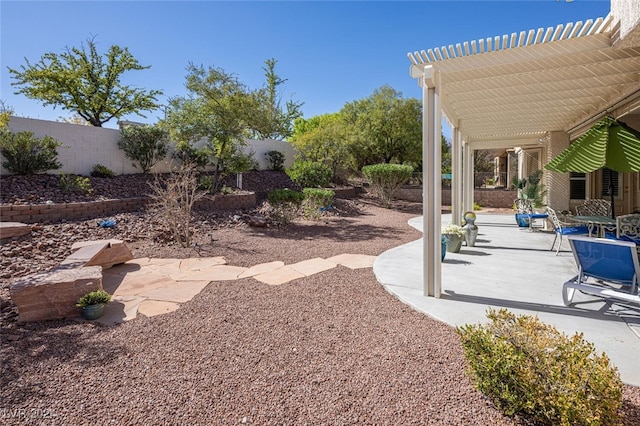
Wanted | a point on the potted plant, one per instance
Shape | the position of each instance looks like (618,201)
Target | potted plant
(444,241)
(455,235)
(92,304)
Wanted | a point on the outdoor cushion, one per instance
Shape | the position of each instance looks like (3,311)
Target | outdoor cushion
(573,230)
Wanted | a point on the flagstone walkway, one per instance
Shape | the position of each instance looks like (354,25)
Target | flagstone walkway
(159,286)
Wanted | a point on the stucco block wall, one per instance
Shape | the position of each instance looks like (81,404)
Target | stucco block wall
(497,198)
(627,12)
(85,146)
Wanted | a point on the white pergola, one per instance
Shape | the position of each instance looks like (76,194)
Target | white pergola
(512,91)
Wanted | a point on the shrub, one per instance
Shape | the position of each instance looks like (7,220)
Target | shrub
(240,162)
(530,368)
(285,204)
(145,145)
(97,297)
(205,183)
(276,160)
(188,155)
(73,183)
(26,155)
(101,171)
(173,201)
(386,179)
(310,174)
(316,200)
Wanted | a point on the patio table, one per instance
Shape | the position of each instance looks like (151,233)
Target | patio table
(602,223)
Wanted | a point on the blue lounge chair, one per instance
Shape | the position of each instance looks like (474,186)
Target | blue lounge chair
(564,228)
(606,268)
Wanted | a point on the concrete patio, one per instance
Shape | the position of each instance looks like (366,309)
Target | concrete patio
(512,268)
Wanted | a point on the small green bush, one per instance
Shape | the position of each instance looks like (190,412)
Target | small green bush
(527,367)
(73,183)
(101,171)
(240,162)
(285,204)
(97,297)
(316,200)
(226,190)
(145,145)
(205,183)
(276,160)
(189,155)
(27,155)
(310,174)
(386,179)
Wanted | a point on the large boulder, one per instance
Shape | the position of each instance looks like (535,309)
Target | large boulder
(114,253)
(54,294)
(13,229)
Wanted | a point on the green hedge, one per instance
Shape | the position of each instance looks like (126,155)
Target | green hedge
(285,204)
(310,174)
(316,201)
(386,179)
(26,154)
(529,368)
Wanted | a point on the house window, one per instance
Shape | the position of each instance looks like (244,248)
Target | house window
(610,177)
(578,186)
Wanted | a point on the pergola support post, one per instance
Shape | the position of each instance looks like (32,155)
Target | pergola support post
(432,183)
(456,176)
(468,184)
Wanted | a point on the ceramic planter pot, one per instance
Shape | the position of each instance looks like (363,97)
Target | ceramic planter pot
(92,312)
(455,243)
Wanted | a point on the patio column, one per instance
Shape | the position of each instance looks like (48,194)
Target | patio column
(468,183)
(456,176)
(558,184)
(432,183)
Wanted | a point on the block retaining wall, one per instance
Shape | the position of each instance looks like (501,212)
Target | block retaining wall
(485,197)
(44,213)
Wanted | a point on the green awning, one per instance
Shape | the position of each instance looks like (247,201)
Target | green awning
(609,143)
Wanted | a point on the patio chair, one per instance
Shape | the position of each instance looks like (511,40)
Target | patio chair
(606,268)
(564,228)
(525,216)
(523,210)
(628,228)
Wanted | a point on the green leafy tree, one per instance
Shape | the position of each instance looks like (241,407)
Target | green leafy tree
(483,161)
(5,114)
(145,145)
(82,81)
(269,120)
(386,128)
(216,109)
(446,154)
(323,138)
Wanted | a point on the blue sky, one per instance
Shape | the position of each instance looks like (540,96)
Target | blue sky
(330,52)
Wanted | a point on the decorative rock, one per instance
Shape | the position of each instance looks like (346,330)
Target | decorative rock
(84,255)
(116,252)
(258,221)
(53,294)
(13,229)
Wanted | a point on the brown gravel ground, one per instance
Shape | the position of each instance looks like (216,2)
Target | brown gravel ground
(333,348)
